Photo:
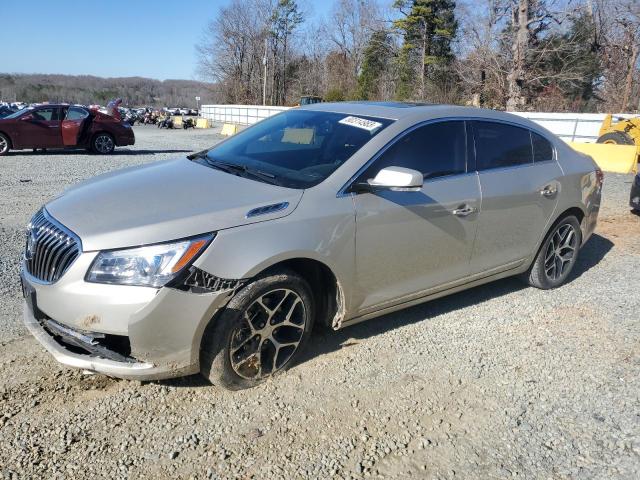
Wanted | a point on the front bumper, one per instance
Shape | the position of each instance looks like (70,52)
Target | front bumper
(132,371)
(164,328)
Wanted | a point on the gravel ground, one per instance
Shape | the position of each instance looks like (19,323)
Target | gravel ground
(497,382)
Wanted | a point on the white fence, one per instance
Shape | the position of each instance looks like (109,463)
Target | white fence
(239,114)
(571,127)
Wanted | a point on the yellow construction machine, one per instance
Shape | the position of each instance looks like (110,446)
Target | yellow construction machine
(623,132)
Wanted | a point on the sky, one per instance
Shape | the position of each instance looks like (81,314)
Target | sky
(112,38)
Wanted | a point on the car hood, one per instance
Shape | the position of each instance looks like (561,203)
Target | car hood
(164,201)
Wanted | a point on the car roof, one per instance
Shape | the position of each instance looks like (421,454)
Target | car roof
(48,105)
(417,111)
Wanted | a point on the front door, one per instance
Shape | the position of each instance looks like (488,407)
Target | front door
(409,242)
(519,182)
(41,130)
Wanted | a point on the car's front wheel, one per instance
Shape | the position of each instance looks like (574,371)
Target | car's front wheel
(260,332)
(103,143)
(5,144)
(557,256)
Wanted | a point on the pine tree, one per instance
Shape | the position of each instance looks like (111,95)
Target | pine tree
(428,27)
(376,64)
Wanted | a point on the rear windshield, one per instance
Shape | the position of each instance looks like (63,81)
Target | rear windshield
(298,148)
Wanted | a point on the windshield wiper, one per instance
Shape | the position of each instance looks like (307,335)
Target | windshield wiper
(242,169)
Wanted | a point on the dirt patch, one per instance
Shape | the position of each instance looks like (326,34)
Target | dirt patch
(622,230)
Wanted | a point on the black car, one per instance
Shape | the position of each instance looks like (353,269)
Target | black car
(634,199)
(5,110)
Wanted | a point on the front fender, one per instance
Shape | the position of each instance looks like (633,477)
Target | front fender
(325,234)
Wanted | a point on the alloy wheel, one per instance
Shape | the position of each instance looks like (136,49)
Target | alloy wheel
(561,251)
(4,144)
(104,144)
(268,334)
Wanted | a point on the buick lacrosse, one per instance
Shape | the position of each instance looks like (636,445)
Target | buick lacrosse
(222,262)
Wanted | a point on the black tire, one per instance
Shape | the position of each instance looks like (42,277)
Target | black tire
(5,144)
(617,138)
(552,267)
(231,347)
(103,143)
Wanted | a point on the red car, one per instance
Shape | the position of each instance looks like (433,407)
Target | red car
(64,126)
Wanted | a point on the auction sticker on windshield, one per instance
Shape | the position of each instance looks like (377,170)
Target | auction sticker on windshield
(363,123)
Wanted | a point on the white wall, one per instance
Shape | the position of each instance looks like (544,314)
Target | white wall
(239,114)
(571,127)
(578,127)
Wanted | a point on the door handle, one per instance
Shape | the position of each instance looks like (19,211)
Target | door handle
(549,191)
(464,211)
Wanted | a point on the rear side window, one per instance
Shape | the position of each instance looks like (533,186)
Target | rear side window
(436,150)
(76,113)
(499,145)
(542,149)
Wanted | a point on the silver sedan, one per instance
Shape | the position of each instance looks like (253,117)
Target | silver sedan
(221,262)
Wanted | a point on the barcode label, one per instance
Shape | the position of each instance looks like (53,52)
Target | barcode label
(363,123)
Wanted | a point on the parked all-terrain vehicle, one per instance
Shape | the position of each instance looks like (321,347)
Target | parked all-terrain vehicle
(165,122)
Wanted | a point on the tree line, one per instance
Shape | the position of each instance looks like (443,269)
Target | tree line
(549,55)
(88,90)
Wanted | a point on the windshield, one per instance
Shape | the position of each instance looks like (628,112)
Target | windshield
(296,148)
(18,113)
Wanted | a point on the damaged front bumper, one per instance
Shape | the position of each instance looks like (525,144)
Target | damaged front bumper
(126,332)
(86,361)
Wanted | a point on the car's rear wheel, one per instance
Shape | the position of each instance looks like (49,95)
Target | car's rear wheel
(557,256)
(5,144)
(103,143)
(260,332)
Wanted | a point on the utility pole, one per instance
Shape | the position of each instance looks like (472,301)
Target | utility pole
(264,80)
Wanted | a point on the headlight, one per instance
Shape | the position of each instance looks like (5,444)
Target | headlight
(150,266)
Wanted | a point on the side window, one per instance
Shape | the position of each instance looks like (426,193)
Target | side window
(500,145)
(542,149)
(45,114)
(76,113)
(435,150)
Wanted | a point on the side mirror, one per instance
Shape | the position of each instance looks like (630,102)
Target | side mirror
(397,179)
(27,118)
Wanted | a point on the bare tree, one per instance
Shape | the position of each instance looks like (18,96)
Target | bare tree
(232,49)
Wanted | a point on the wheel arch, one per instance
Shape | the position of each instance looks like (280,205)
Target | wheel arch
(327,290)
(576,211)
(8,137)
(101,131)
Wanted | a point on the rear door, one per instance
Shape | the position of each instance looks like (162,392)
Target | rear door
(42,130)
(519,180)
(409,242)
(72,125)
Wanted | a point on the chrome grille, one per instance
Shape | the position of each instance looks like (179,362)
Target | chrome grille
(50,249)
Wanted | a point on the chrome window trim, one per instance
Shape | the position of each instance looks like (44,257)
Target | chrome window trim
(344,193)
(514,124)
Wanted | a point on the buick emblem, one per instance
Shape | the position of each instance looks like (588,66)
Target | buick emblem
(30,250)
